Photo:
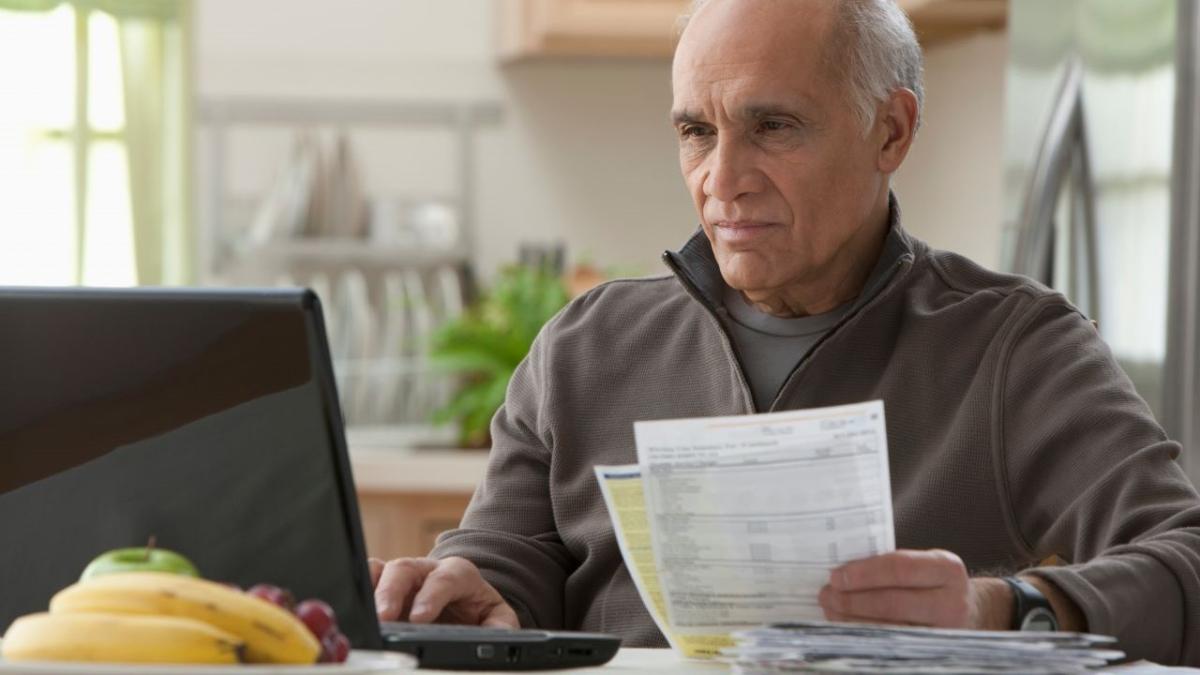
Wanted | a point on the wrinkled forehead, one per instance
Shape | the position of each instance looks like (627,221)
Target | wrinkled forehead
(755,44)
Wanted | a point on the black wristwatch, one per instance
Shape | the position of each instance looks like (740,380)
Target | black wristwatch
(1031,609)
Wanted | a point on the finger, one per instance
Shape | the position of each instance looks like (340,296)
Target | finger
(397,584)
(501,616)
(900,569)
(901,605)
(849,618)
(375,566)
(454,579)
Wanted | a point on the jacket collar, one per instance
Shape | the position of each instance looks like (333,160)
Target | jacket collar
(696,266)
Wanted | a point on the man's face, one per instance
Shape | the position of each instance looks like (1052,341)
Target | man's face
(771,150)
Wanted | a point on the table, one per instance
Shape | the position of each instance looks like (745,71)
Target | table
(637,661)
(629,661)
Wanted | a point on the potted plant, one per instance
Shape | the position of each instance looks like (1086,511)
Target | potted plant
(485,345)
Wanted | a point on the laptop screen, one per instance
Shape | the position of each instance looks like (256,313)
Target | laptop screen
(205,419)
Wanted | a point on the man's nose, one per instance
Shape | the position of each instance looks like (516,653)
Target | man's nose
(731,171)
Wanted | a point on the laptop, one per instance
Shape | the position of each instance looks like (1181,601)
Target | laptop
(208,419)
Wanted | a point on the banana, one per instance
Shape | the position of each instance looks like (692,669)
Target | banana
(272,634)
(117,638)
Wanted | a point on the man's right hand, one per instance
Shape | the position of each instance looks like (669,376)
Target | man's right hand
(424,590)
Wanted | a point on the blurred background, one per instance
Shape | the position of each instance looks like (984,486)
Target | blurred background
(446,174)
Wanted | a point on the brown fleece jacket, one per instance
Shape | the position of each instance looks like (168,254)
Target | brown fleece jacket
(1013,435)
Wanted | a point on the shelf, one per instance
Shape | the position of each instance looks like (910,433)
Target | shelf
(219,255)
(383,298)
(342,112)
(352,252)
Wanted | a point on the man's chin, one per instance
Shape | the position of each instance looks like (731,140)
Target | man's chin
(746,264)
(742,277)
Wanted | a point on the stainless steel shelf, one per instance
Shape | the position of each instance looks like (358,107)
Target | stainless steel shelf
(352,252)
(361,112)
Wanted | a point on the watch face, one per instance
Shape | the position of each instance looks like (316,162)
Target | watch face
(1039,619)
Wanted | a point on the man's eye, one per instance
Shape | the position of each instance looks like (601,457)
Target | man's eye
(692,132)
(773,125)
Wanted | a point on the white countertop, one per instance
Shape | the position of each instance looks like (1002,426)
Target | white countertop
(380,469)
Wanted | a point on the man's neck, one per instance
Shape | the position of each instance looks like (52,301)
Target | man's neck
(836,283)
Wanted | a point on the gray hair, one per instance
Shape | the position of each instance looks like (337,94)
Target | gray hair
(872,47)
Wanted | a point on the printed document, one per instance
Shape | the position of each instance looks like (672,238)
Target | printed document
(622,490)
(748,514)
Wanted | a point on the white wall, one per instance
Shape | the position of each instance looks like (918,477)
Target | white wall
(950,187)
(584,154)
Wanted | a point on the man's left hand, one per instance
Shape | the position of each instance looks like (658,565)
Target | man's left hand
(919,588)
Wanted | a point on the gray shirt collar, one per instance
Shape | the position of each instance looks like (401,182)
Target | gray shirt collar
(747,315)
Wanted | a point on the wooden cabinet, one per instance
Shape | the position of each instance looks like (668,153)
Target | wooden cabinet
(406,524)
(942,20)
(406,499)
(548,28)
(539,29)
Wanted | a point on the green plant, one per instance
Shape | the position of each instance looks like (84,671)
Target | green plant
(487,343)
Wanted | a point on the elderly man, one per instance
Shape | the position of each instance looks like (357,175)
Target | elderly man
(1013,434)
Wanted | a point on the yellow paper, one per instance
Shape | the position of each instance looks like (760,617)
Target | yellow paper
(623,494)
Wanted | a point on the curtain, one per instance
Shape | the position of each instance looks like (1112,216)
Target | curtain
(146,9)
(1127,50)
(153,37)
(1111,36)
(153,62)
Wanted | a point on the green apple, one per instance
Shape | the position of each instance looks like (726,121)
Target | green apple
(140,559)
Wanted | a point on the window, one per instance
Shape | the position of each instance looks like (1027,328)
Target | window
(67,212)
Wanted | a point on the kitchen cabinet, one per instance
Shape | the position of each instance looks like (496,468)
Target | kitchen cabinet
(543,29)
(407,498)
(406,524)
(939,21)
(550,28)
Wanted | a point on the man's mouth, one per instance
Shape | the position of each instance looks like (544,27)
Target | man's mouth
(741,231)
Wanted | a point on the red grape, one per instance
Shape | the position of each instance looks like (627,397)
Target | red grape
(274,595)
(318,616)
(326,654)
(338,646)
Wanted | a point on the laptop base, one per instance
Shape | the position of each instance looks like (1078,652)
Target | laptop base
(476,648)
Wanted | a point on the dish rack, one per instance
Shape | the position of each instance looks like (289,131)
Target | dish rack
(386,283)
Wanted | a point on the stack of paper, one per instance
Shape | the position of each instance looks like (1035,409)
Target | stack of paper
(856,648)
(731,525)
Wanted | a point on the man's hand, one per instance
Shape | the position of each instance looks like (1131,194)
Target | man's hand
(424,590)
(920,588)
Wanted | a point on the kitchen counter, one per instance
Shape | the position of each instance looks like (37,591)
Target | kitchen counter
(378,469)
(408,497)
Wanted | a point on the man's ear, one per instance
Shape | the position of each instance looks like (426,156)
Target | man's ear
(898,118)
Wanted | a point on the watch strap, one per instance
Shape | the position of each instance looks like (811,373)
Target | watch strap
(1028,599)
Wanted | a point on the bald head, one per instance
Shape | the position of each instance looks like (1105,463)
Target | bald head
(867,46)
